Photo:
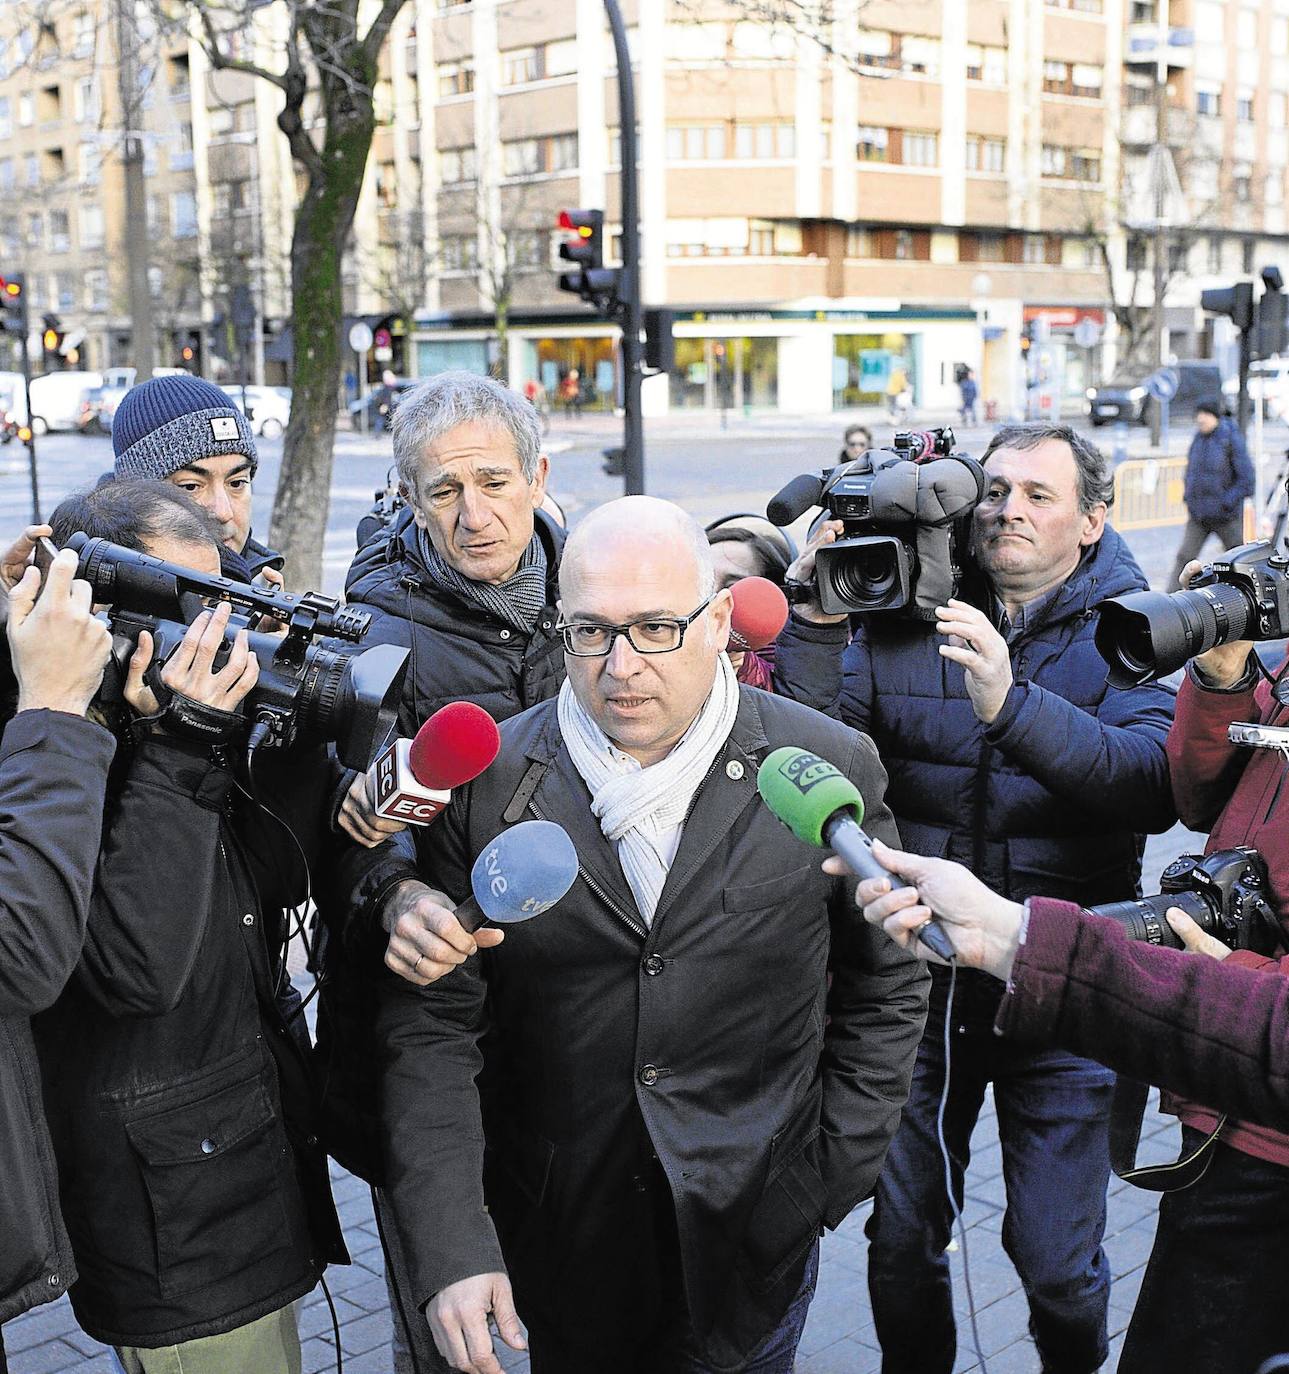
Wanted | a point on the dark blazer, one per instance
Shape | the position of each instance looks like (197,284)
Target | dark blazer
(53,770)
(1219,474)
(703,1041)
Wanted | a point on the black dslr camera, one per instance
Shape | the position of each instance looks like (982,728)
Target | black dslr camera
(1244,594)
(336,692)
(1224,892)
(905,511)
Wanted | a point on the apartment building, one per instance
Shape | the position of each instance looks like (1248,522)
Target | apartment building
(62,194)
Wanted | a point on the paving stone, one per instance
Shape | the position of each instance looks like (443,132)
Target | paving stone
(841,1357)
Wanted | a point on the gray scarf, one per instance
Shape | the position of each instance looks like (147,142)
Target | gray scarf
(518,602)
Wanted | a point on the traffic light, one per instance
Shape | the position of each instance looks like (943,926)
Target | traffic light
(660,343)
(52,337)
(592,281)
(1235,302)
(1269,340)
(13,305)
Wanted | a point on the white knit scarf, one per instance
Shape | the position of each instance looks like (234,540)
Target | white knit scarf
(636,806)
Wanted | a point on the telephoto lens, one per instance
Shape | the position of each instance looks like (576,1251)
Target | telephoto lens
(1244,594)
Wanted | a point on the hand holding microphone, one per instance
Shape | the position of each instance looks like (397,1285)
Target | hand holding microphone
(520,874)
(411,781)
(821,806)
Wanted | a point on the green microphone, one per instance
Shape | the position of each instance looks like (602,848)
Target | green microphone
(821,806)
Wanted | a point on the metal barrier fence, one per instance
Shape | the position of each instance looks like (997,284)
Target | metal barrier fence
(1148,494)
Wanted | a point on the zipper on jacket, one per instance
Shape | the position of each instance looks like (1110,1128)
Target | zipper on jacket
(633,921)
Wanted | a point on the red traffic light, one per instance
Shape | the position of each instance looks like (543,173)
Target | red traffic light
(580,222)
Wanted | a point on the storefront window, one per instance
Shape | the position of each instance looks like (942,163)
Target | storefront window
(726,374)
(575,374)
(867,366)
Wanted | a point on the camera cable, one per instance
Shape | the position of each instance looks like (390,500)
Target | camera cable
(954,1206)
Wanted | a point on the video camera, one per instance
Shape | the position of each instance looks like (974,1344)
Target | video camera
(337,693)
(904,512)
(1244,594)
(1224,892)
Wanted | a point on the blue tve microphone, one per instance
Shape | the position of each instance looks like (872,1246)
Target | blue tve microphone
(521,873)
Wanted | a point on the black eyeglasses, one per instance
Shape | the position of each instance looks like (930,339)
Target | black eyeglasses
(656,635)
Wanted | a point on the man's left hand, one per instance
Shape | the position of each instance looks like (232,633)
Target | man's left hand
(1197,941)
(982,651)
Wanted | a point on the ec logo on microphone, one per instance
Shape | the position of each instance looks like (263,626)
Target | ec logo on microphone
(804,770)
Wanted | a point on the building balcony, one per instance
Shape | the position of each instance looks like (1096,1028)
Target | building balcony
(1142,47)
(1137,129)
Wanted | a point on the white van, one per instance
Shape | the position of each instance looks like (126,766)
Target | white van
(13,396)
(56,399)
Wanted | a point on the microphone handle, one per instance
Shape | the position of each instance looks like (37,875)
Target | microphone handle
(471,914)
(850,841)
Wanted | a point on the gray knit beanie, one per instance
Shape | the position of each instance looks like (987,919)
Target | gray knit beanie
(164,424)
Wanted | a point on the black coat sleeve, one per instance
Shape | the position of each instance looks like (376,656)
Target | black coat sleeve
(877,1008)
(53,773)
(432,1121)
(161,839)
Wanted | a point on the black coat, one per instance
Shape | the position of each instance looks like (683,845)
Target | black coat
(458,652)
(53,770)
(179,1097)
(704,1040)
(457,649)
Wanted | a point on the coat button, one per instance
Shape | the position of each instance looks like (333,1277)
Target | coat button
(55,1280)
(505,634)
(248,919)
(649,1075)
(208,1146)
(653,965)
(734,770)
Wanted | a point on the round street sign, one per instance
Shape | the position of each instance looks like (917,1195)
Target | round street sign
(360,336)
(1163,384)
(1087,333)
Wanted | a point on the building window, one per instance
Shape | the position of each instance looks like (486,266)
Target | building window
(1273,191)
(561,152)
(1034,249)
(6,117)
(905,247)
(26,110)
(90,164)
(1178,255)
(35,229)
(1214,254)
(872,144)
(456,166)
(1208,100)
(6,174)
(1242,187)
(1070,164)
(529,249)
(95,289)
(1135,254)
(1247,29)
(1246,255)
(986,154)
(1244,107)
(64,293)
(60,238)
(31,169)
(764,142)
(386,186)
(183,214)
(83,34)
(987,64)
(1086,81)
(85,101)
(692,143)
(455,78)
(91,226)
(1056,78)
(520,65)
(521,157)
(459,253)
(920,149)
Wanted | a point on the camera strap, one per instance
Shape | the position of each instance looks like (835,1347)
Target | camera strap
(1126,1112)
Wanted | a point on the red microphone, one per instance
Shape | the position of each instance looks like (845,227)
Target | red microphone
(760,612)
(414,778)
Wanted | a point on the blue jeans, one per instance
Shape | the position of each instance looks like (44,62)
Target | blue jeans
(1053,1114)
(1219,1258)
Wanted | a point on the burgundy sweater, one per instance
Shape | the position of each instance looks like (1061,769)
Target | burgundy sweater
(1214,1030)
(1241,796)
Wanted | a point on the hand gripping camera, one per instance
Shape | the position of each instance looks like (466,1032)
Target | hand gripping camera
(904,510)
(336,693)
(1224,892)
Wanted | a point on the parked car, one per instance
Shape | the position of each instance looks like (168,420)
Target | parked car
(13,399)
(381,397)
(1126,398)
(1269,382)
(268,408)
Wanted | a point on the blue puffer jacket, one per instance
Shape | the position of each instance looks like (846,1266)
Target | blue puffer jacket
(1219,474)
(1049,800)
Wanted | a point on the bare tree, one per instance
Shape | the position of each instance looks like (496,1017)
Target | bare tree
(322,52)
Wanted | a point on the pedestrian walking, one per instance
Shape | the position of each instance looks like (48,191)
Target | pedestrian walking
(1219,476)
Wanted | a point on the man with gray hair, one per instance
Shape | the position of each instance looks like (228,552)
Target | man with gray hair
(673,1099)
(466,579)
(1008,751)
